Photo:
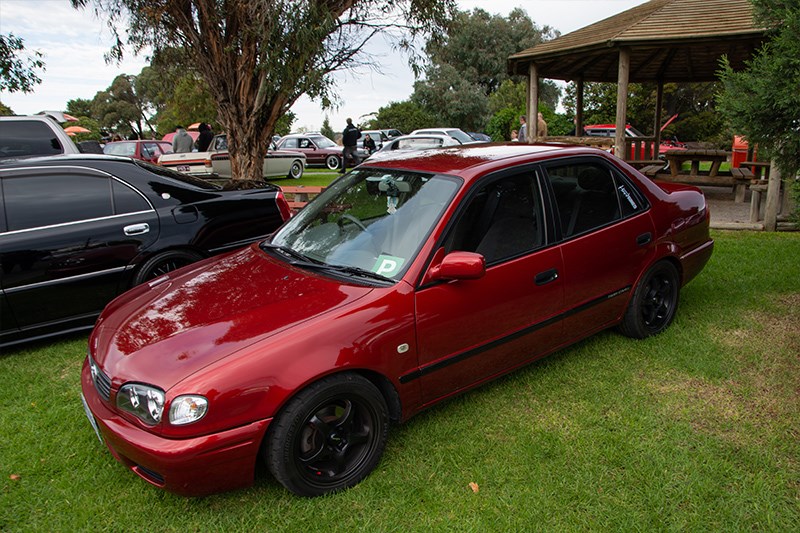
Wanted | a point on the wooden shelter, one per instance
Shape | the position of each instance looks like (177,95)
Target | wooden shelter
(660,41)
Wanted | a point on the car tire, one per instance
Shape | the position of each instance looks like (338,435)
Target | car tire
(296,170)
(654,302)
(328,437)
(164,262)
(332,162)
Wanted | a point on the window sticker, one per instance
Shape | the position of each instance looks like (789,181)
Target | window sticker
(627,196)
(388,265)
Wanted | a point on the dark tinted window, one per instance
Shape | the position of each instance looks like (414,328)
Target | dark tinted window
(126,200)
(590,195)
(503,220)
(35,201)
(19,138)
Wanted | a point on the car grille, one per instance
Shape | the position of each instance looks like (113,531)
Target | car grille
(102,383)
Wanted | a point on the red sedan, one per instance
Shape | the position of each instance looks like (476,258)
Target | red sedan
(411,279)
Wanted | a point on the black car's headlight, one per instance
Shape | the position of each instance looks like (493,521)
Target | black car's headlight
(143,401)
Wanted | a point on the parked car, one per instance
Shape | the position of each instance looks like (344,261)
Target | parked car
(609,130)
(194,163)
(408,280)
(416,142)
(319,150)
(77,231)
(392,133)
(277,163)
(480,137)
(455,133)
(148,151)
(29,136)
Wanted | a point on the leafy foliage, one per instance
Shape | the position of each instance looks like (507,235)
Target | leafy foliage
(326,129)
(762,102)
(258,57)
(406,116)
(468,66)
(17,71)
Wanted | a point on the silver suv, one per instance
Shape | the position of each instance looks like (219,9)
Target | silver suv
(26,136)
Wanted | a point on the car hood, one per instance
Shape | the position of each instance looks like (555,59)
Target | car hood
(182,322)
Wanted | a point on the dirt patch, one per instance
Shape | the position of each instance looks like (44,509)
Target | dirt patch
(763,401)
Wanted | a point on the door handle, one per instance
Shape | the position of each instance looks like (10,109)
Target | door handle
(543,278)
(136,229)
(644,239)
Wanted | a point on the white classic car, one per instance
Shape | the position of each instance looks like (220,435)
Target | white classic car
(277,163)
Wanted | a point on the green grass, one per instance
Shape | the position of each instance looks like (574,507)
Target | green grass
(311,177)
(697,429)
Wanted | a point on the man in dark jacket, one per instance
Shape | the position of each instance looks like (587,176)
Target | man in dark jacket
(206,135)
(350,135)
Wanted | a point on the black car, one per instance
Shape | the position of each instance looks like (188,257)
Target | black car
(76,231)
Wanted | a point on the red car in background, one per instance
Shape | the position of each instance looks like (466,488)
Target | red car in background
(411,279)
(148,151)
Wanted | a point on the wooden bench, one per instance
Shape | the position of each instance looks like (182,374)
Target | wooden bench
(755,199)
(742,177)
(651,170)
(297,197)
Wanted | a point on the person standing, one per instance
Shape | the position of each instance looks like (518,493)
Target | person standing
(522,136)
(542,126)
(206,135)
(182,141)
(350,136)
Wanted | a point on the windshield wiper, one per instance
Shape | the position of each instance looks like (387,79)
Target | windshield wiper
(292,253)
(357,271)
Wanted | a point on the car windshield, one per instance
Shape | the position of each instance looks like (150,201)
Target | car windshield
(460,136)
(323,142)
(370,221)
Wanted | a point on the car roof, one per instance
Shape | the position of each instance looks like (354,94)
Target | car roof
(63,159)
(470,160)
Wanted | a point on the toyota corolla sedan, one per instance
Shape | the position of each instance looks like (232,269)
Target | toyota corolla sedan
(76,231)
(407,281)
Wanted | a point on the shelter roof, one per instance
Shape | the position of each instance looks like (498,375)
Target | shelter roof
(670,40)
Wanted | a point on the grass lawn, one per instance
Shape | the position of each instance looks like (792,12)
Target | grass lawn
(311,177)
(697,429)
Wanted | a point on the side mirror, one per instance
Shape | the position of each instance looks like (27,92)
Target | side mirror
(458,265)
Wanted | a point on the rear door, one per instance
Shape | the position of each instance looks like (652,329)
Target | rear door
(607,235)
(71,234)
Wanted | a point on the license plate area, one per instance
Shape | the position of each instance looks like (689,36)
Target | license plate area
(183,168)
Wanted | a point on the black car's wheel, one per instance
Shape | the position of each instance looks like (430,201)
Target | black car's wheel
(165,262)
(329,436)
(296,171)
(332,162)
(654,302)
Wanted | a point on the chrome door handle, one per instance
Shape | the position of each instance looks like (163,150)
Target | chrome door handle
(136,229)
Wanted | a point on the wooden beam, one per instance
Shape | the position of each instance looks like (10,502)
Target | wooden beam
(579,108)
(773,198)
(657,120)
(622,101)
(533,104)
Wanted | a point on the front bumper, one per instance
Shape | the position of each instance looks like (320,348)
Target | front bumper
(189,467)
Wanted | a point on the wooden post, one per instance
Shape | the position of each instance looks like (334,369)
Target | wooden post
(579,108)
(622,101)
(657,120)
(533,104)
(773,198)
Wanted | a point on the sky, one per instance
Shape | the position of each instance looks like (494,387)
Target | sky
(73,43)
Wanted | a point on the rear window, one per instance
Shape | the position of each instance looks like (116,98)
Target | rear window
(21,138)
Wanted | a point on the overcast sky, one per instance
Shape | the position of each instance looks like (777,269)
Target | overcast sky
(73,43)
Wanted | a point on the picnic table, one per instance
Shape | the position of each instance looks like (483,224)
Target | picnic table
(760,168)
(676,159)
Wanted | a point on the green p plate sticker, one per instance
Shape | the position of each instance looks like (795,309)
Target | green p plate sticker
(388,265)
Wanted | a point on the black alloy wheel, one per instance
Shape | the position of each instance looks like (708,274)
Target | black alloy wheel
(329,437)
(654,302)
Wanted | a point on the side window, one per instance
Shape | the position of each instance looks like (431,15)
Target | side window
(35,201)
(305,143)
(290,143)
(126,200)
(20,138)
(502,220)
(590,196)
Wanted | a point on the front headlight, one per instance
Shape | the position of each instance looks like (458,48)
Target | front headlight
(143,401)
(187,409)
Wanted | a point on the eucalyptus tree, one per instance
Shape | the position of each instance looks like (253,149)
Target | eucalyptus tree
(258,57)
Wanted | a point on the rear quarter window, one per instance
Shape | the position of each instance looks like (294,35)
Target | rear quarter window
(26,138)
